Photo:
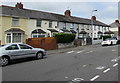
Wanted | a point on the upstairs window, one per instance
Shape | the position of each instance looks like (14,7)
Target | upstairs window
(95,28)
(99,28)
(15,21)
(50,24)
(72,26)
(64,25)
(104,28)
(38,23)
(82,27)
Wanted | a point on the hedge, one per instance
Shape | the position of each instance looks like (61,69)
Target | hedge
(106,36)
(64,37)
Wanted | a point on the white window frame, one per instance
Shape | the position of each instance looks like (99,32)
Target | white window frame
(37,34)
(50,24)
(15,21)
(38,21)
(64,25)
(11,34)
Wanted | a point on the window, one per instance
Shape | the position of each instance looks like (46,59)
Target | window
(82,27)
(95,28)
(105,28)
(72,26)
(87,27)
(17,37)
(99,28)
(8,38)
(50,24)
(94,35)
(37,35)
(14,37)
(15,21)
(39,22)
(24,46)
(64,25)
(12,47)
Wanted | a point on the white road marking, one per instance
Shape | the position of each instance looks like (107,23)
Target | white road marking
(77,79)
(79,52)
(94,78)
(115,64)
(66,77)
(89,52)
(84,65)
(70,52)
(108,69)
(101,67)
(113,50)
(115,60)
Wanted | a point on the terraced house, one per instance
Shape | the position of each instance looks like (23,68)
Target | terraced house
(17,24)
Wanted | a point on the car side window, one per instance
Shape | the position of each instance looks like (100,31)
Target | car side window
(12,47)
(24,46)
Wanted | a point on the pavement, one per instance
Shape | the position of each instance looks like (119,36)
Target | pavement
(63,50)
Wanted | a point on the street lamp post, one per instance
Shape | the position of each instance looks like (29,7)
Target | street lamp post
(92,24)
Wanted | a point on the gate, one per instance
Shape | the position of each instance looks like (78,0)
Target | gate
(89,41)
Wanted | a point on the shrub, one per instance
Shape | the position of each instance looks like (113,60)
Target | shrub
(64,37)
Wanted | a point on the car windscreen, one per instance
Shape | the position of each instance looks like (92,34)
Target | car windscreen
(108,39)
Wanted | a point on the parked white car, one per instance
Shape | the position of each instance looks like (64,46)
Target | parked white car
(13,51)
(109,41)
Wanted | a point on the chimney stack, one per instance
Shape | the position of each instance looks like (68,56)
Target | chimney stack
(67,13)
(19,5)
(93,18)
(116,21)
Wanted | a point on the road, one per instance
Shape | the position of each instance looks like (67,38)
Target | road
(90,64)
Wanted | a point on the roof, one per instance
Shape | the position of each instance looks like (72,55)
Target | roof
(65,30)
(15,30)
(73,31)
(52,30)
(109,32)
(114,25)
(83,32)
(99,32)
(28,13)
(38,31)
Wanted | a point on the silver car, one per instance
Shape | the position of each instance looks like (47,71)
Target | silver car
(13,51)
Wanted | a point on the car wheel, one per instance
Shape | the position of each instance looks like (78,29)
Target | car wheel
(4,61)
(39,55)
(111,43)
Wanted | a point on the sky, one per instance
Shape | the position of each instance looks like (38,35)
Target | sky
(107,12)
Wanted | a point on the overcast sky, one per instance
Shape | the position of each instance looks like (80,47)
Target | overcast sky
(107,11)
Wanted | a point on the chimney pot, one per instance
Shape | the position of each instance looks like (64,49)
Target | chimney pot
(67,13)
(116,21)
(93,18)
(19,5)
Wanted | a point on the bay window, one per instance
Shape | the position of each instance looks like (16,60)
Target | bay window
(14,37)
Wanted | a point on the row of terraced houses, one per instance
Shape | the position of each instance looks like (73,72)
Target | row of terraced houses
(18,24)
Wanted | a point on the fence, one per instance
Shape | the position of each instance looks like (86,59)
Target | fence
(47,43)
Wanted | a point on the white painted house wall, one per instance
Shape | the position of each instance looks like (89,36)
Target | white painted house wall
(31,26)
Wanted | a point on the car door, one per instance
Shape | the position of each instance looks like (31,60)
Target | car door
(13,51)
(26,50)
(114,41)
